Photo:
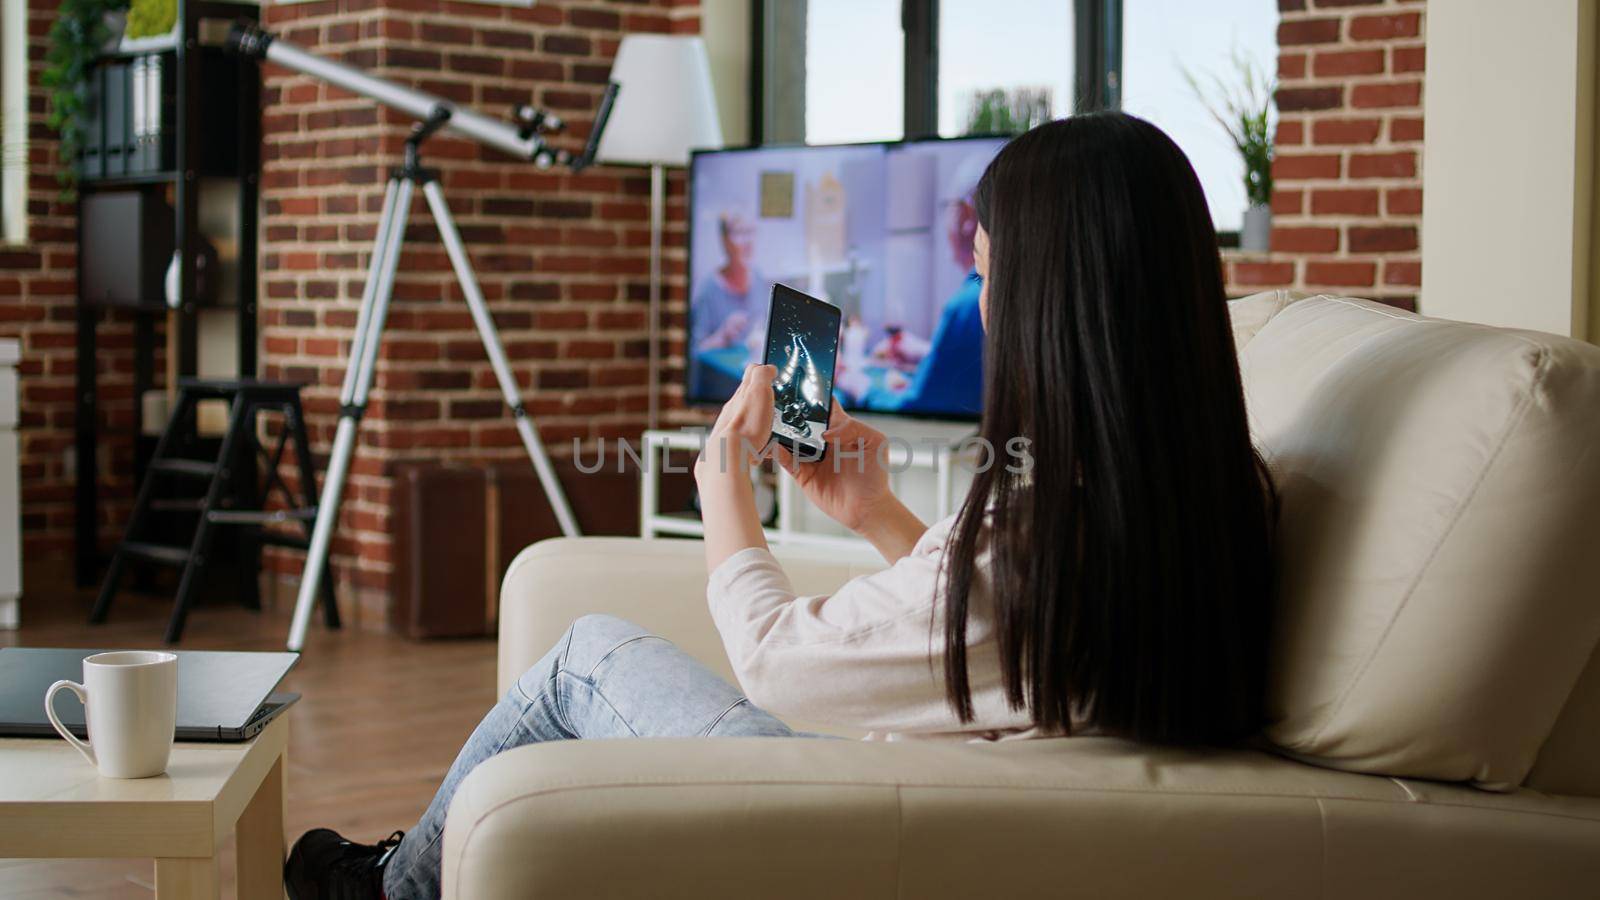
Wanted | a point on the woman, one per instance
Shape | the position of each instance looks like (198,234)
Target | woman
(1120,587)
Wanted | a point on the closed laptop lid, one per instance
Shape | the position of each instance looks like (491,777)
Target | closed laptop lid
(216,689)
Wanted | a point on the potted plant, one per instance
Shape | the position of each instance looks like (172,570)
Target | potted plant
(82,30)
(1244,110)
(152,25)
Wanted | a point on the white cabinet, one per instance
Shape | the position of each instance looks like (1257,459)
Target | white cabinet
(10,489)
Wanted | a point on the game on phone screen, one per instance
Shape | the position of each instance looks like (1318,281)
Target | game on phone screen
(803,342)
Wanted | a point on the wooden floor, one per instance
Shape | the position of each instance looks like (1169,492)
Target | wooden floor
(379,722)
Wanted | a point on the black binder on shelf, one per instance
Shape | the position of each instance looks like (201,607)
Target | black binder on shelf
(92,162)
(115,99)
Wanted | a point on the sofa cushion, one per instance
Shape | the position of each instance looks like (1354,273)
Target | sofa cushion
(1439,572)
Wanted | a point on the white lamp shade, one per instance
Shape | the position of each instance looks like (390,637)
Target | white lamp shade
(665,107)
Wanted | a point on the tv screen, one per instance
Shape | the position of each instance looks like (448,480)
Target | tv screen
(882,231)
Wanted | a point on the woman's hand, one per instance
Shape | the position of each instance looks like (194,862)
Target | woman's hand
(742,429)
(851,485)
(850,482)
(727,502)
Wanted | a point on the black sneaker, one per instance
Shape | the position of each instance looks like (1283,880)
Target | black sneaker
(325,866)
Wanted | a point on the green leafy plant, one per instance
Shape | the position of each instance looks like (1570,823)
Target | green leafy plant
(1243,108)
(999,111)
(148,18)
(76,37)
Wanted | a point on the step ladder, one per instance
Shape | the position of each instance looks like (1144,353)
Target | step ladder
(243,474)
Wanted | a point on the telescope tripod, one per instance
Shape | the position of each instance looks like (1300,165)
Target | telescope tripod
(375,297)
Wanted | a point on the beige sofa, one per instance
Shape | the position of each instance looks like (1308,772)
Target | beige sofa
(1435,714)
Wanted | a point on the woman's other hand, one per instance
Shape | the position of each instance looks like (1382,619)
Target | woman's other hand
(851,481)
(851,485)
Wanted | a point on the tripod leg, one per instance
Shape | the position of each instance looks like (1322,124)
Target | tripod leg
(353,399)
(497,357)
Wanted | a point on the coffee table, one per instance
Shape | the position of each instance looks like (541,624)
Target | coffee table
(54,804)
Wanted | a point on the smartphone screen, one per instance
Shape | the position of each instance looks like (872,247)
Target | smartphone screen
(803,342)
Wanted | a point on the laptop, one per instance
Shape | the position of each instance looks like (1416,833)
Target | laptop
(222,696)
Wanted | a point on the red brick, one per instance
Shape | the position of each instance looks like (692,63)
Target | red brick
(1387,27)
(1382,239)
(1383,165)
(1378,96)
(281,344)
(1308,31)
(1403,201)
(1335,4)
(1345,131)
(1406,272)
(1287,202)
(1290,131)
(1336,63)
(1309,99)
(1291,66)
(1340,274)
(567,45)
(1304,240)
(1263,274)
(1344,202)
(589,350)
(1402,130)
(1299,167)
(587,18)
(1407,59)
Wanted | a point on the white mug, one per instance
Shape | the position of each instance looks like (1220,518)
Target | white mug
(130,703)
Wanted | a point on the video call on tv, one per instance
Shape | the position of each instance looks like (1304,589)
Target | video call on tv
(882,231)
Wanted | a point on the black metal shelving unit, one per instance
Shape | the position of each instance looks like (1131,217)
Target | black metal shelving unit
(193,161)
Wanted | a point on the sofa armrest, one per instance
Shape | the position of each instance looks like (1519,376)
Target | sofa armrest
(659,584)
(1076,817)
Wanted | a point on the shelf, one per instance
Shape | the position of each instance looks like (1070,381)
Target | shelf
(124,55)
(147,308)
(938,459)
(123,182)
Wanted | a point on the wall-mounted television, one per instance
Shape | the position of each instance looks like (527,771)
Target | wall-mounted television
(882,231)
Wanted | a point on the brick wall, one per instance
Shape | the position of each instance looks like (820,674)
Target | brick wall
(38,306)
(1347,197)
(562,258)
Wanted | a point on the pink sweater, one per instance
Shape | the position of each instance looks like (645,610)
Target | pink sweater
(868,657)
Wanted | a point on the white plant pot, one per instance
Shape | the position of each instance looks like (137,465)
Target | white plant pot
(1255,233)
(116,23)
(150,43)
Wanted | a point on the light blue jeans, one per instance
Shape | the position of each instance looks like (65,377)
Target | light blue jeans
(605,678)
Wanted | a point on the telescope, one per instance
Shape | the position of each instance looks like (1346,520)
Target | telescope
(523,138)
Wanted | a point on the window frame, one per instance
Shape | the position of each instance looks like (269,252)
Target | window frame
(780,117)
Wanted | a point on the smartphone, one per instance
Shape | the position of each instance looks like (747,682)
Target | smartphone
(803,342)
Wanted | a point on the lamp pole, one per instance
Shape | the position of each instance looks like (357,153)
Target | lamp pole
(658,214)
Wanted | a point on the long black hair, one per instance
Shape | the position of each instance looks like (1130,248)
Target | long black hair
(1130,572)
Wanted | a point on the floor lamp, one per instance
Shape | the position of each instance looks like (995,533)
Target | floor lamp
(665,109)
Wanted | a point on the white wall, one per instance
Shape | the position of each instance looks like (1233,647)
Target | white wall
(1508,163)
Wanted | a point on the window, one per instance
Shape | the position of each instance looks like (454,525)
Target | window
(837,71)
(855,60)
(1163,39)
(1003,62)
